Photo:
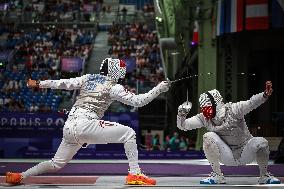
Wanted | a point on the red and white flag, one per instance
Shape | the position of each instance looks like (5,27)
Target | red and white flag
(195,36)
(257,15)
(195,32)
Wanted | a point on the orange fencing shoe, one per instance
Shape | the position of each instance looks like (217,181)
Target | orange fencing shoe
(13,178)
(139,179)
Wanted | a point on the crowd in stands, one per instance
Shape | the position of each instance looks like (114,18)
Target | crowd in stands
(148,8)
(52,10)
(11,10)
(38,53)
(11,5)
(63,10)
(139,45)
(170,143)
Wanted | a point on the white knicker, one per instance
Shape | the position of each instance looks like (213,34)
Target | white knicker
(81,128)
(248,154)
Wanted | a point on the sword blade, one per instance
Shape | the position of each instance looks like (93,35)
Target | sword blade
(190,76)
(177,80)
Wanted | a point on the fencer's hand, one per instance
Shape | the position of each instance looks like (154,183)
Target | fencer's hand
(184,109)
(164,86)
(268,89)
(31,83)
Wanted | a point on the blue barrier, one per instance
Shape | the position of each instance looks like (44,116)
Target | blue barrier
(39,134)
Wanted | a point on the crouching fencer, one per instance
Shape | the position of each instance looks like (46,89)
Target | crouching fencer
(84,124)
(228,140)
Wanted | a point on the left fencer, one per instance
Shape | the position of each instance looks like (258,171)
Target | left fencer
(84,123)
(228,140)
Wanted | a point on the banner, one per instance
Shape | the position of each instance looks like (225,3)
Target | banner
(38,135)
(229,16)
(31,119)
(195,37)
(220,18)
(89,153)
(257,15)
(71,64)
(237,21)
(277,13)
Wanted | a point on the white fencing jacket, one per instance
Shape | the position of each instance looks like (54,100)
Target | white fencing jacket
(233,130)
(97,92)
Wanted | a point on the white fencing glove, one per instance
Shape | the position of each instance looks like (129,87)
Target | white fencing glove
(164,86)
(184,109)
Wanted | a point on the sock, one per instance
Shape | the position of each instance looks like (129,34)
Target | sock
(132,155)
(43,167)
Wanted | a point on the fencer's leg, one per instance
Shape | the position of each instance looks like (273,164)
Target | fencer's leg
(262,156)
(67,149)
(131,152)
(211,151)
(112,132)
(216,151)
(135,177)
(256,149)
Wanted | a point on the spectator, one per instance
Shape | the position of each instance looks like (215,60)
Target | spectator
(108,8)
(33,108)
(124,13)
(156,142)
(174,142)
(104,10)
(148,140)
(15,106)
(167,143)
(191,144)
(183,144)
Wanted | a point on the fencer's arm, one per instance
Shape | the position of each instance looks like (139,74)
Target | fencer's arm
(67,84)
(190,123)
(244,107)
(119,93)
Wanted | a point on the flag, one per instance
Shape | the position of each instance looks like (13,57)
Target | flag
(195,36)
(195,33)
(220,18)
(257,14)
(237,15)
(230,14)
(277,13)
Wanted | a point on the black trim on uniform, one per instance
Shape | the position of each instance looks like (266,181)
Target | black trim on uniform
(104,69)
(212,102)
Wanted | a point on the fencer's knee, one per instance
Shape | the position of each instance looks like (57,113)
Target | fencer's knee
(209,136)
(131,135)
(259,143)
(209,140)
(57,165)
